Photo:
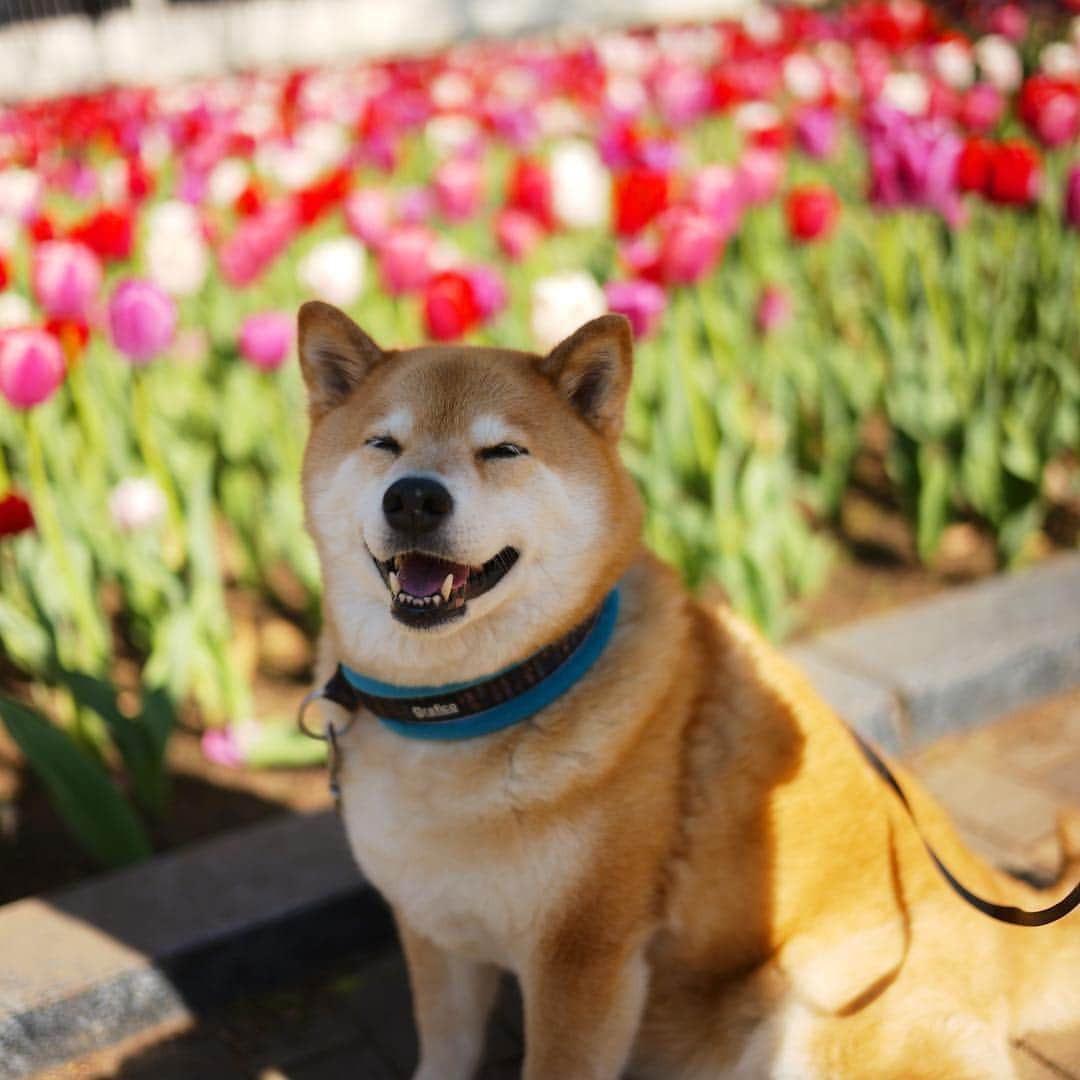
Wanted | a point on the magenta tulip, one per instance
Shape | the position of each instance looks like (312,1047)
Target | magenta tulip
(488,288)
(142,320)
(31,367)
(816,131)
(265,339)
(642,302)
(66,278)
(1072,198)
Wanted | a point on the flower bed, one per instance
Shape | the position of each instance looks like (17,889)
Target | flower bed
(840,237)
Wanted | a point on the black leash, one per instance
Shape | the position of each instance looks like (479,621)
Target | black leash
(1002,912)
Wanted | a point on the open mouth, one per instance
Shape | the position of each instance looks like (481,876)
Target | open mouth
(427,590)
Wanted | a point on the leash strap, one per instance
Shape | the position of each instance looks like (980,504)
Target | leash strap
(1002,912)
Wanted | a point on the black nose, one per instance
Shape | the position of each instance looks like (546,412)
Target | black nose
(415,504)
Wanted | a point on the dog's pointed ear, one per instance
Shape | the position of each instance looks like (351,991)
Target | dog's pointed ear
(335,355)
(592,370)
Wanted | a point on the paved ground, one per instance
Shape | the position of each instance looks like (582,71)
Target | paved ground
(1003,783)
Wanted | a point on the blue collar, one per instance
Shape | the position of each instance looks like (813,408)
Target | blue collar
(470,709)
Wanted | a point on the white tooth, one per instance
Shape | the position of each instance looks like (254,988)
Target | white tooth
(436,600)
(447,586)
(395,585)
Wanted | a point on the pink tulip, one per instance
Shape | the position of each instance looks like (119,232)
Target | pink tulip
(66,278)
(257,242)
(682,94)
(642,302)
(415,205)
(1072,198)
(981,108)
(518,233)
(1009,20)
(368,213)
(690,245)
(488,289)
(459,188)
(265,339)
(715,191)
(31,367)
(773,309)
(405,258)
(816,131)
(142,320)
(760,172)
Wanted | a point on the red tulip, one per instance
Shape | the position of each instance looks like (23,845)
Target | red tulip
(450,308)
(109,233)
(5,274)
(811,212)
(16,514)
(640,195)
(973,165)
(1015,175)
(251,200)
(318,199)
(1051,109)
(529,190)
(690,245)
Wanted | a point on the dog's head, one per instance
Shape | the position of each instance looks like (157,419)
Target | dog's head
(468,504)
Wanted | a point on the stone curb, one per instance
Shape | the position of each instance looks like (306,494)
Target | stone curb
(259,906)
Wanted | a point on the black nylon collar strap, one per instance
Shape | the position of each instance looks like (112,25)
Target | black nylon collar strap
(462,702)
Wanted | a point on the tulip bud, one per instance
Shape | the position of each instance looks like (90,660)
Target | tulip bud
(136,503)
(31,367)
(265,339)
(142,320)
(66,278)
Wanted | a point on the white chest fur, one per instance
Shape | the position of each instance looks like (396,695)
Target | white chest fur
(436,829)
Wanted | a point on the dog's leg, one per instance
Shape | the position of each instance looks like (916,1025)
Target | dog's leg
(452,998)
(582,1014)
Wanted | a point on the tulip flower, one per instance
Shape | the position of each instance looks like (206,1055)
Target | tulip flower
(981,108)
(580,185)
(450,308)
(136,504)
(517,233)
(66,279)
(15,311)
(1050,108)
(642,302)
(773,310)
(368,214)
(811,211)
(257,242)
(266,338)
(334,270)
(459,188)
(561,303)
(489,289)
(973,165)
(1015,175)
(405,259)
(1008,20)
(759,173)
(640,195)
(529,190)
(1000,62)
(142,320)
(31,367)
(415,204)
(816,131)
(690,245)
(1072,198)
(16,514)
(176,254)
(109,234)
(715,191)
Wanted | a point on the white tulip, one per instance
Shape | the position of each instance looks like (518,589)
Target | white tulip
(15,311)
(176,255)
(1000,62)
(803,77)
(561,303)
(954,64)
(136,503)
(906,91)
(20,193)
(334,270)
(580,185)
(227,180)
(1060,60)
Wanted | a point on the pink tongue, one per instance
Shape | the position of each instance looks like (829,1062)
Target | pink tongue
(423,575)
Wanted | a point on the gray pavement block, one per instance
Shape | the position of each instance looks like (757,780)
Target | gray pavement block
(973,654)
(868,705)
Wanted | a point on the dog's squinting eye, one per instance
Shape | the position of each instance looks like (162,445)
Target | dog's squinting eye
(503,450)
(384,442)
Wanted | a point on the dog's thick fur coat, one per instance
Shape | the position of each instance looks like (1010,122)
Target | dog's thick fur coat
(685,860)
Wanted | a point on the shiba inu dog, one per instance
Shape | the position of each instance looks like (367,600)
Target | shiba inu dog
(681,853)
